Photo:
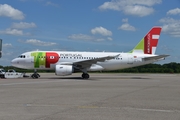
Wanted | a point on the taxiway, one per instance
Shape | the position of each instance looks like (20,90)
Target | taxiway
(102,97)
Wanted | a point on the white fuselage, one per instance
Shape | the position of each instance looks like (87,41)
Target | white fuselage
(38,61)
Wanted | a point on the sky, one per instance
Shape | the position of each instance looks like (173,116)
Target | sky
(87,25)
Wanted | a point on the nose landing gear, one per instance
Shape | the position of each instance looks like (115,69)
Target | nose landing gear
(35,75)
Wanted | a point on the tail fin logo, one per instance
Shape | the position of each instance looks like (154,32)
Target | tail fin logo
(148,44)
(151,40)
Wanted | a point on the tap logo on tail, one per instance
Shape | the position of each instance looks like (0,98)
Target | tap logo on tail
(149,43)
(151,40)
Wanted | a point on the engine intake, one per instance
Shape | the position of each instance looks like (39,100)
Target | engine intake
(63,70)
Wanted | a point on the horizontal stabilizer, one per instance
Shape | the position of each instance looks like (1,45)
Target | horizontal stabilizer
(155,58)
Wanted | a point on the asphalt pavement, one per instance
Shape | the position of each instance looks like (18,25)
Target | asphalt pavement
(102,97)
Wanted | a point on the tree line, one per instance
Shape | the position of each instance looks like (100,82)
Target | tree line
(153,68)
(150,68)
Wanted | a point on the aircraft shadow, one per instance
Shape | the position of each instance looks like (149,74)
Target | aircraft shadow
(96,78)
(73,78)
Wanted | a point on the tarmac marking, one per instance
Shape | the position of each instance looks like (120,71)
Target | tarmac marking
(151,110)
(49,105)
(129,108)
(98,107)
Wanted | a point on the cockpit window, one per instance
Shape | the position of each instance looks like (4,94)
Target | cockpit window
(21,56)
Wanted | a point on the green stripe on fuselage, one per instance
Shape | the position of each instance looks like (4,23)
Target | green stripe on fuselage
(39,59)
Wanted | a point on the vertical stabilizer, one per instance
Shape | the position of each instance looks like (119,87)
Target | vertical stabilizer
(149,43)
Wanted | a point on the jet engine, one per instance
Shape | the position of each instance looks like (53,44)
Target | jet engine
(63,70)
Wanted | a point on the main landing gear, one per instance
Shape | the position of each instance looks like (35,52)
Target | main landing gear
(35,75)
(85,75)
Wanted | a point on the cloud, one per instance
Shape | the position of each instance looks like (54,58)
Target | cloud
(98,30)
(48,3)
(127,27)
(171,26)
(81,37)
(109,38)
(13,31)
(6,45)
(102,31)
(139,8)
(174,11)
(125,20)
(87,38)
(100,39)
(38,42)
(8,11)
(23,25)
(10,31)
(16,29)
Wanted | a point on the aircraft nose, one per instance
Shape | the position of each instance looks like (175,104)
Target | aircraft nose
(14,62)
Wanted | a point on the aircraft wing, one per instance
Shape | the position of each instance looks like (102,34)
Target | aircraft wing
(158,57)
(89,62)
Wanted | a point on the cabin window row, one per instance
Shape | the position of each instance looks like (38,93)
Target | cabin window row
(85,58)
(23,56)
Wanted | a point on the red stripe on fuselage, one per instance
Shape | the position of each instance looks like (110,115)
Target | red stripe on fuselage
(51,58)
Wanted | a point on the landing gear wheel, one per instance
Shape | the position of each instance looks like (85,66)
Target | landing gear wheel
(85,76)
(38,75)
(35,75)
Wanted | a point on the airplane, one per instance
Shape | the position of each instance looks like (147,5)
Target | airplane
(67,62)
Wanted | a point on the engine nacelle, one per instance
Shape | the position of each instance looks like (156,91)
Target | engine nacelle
(63,70)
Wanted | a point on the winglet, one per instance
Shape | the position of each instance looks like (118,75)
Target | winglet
(148,43)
